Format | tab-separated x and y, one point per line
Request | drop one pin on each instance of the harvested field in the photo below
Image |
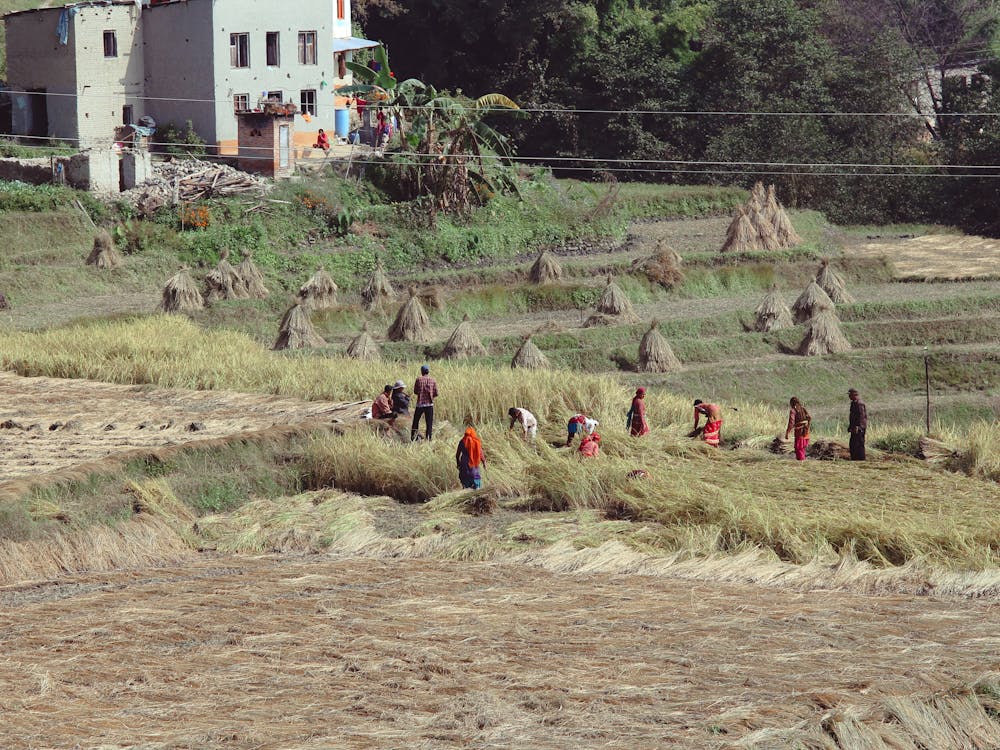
52	424
937	256
322	652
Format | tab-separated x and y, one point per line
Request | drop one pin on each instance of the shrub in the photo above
179	142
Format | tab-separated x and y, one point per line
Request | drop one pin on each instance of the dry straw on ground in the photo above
105	255
364	347
296	330
772	314
529	357
253	279
812	300
546	269
223	282
319	292
832	283
411	323
655	354
823	336
463	342
180	293
378	289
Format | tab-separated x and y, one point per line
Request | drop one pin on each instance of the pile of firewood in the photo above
189	180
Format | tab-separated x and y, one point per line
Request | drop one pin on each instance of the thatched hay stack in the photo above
432	297
546	269
772	314
319	292
823	336
181	294
223	282
772	208
655	354
742	236
364	347
411	323
832	283
104	255
296	330
766	234
253	279
378	289
810	302
529	357
759	193
615	302
784	229
463	342
663	267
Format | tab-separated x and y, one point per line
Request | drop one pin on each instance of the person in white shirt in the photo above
579	423
527	420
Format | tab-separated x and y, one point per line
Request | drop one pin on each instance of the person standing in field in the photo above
469	457
636	419
579	423
529	425
425	390
711	433
857	425
798	422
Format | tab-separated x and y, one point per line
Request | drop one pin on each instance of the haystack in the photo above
663	267
412	323
742	236
253	279
784	229
529	357
104	255
810	302
463	342
772	314
759	193
546	269
364	347
378	289
766	234
832	283
320	292
180	293
223	282
771	207
615	302
432	297
655	354
823	336
296	330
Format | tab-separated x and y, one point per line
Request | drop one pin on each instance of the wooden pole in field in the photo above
927	388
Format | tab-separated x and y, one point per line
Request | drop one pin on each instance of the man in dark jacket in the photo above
857	426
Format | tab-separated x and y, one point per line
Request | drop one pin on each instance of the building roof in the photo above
59	8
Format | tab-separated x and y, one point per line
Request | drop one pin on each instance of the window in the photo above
307	101
241	102
340	10
239	50
127	115
273	57
110	44
274	96
307	48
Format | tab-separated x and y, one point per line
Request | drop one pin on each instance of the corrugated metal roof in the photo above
352	43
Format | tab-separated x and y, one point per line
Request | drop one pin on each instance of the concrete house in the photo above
80	71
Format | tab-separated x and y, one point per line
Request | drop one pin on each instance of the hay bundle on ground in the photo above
615	302
296	330
832	283
781	446
810	302
432	297
180	293
364	347
411	323
828	450
663	267
772	314
319	292
546	269
104	255
253	279
655	354
463	342
223	282
742	236
935	452
823	336
529	357
378	289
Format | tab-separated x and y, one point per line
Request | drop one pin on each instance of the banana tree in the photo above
380	86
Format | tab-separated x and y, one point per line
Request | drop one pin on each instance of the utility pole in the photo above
927	388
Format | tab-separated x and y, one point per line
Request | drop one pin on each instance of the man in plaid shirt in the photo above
425	390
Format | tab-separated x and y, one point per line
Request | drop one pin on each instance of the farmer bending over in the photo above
711	433
527	420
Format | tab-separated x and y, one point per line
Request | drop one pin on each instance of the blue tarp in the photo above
62	28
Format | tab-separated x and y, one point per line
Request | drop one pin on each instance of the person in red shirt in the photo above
425	390
322	140
590	447
382	406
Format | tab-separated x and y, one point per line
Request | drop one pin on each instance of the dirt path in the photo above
48	424
357	653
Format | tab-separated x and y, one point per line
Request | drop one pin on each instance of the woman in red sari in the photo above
798	421
637	424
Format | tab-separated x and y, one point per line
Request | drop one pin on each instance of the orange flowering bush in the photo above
196	217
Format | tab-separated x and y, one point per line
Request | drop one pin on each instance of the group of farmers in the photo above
394	402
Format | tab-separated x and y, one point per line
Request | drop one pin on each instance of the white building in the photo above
80	71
